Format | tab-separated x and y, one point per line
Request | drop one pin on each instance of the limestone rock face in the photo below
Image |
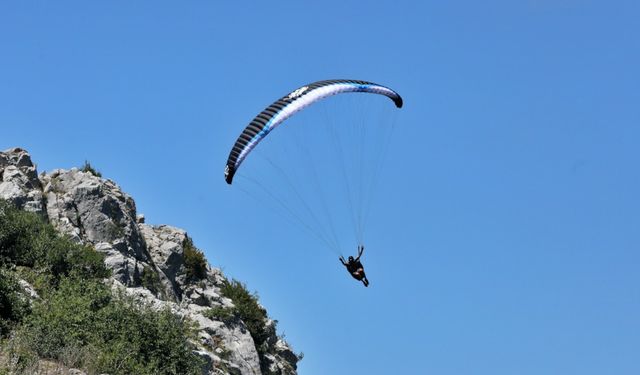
93	210
147	261
19	181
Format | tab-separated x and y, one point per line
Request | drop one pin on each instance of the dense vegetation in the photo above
76	319
13	307
29	244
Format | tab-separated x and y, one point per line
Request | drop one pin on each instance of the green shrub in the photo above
13	305
115	231
67	318
194	262
249	310
65	258
26	240
141	340
221	313
150	280
23	236
88	168
83	325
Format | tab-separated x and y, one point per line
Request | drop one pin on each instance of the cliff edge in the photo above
154	263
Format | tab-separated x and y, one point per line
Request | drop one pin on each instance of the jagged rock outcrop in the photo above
19	181
93	210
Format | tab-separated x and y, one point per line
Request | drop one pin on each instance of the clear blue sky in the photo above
508	241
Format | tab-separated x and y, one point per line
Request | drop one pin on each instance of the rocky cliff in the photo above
93	210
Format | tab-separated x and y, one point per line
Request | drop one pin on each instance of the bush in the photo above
88	168
67	318
194	261
83	325
13	305
26	240
23	236
65	258
221	313
150	280
249	310
141	340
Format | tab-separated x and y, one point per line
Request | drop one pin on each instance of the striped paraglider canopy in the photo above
285	107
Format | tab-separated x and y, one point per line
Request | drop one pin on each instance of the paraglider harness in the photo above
355	267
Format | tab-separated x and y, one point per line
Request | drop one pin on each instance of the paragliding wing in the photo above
288	105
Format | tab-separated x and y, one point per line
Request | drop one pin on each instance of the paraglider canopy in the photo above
285	107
